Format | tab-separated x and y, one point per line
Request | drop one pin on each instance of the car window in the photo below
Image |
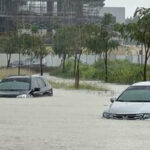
41	83
15	84
35	84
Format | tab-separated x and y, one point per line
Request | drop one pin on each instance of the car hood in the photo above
12	93
129	107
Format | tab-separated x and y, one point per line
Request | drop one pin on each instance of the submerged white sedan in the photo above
132	104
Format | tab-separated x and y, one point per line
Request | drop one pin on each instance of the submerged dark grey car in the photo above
25	87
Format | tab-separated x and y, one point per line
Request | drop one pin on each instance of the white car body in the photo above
129	108
125	109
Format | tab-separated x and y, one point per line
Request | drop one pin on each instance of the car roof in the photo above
23	76
144	83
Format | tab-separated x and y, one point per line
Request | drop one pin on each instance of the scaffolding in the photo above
44	13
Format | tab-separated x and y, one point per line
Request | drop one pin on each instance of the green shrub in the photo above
124	72
119	71
88	72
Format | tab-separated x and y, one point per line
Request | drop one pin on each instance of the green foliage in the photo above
26	44
75	40
119	71
102	39
33	45
94	40
67	74
88	72
9	43
63	40
108	33
34	29
69	39
41	51
140	33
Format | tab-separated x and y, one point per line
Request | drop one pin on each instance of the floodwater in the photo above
70	120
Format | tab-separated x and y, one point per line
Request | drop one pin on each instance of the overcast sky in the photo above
130	5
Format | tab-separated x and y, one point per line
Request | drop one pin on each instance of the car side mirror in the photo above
112	100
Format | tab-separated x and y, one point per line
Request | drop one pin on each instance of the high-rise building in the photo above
118	12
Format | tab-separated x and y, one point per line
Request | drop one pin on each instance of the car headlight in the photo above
107	115
22	96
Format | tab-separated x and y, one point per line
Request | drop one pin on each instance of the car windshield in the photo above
15	84
136	94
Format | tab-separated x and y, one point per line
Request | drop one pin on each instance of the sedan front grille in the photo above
127	116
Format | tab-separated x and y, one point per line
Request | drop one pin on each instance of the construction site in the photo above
46	13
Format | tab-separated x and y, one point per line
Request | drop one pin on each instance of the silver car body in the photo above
129	108
121	110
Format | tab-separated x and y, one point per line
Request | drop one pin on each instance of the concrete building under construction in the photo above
47	13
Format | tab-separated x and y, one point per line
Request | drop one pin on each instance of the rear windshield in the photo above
15	84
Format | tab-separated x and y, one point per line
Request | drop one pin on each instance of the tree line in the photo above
74	40
31	44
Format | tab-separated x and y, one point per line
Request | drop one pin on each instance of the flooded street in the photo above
70	120
82	44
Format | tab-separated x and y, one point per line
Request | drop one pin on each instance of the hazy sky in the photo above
130	5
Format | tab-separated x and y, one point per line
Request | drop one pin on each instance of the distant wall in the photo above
54	60
3	59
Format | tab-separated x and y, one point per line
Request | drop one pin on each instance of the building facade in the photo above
47	13
118	12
